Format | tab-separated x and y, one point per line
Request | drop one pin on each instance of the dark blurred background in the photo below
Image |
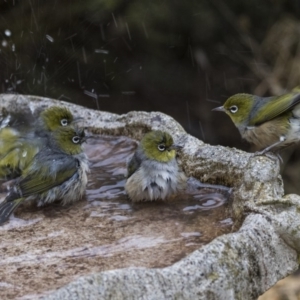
179	57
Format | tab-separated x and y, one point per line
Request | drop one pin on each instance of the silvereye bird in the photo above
19	145
153	172
57	172
53	117
48	119
270	123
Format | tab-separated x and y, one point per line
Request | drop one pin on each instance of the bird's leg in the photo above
267	149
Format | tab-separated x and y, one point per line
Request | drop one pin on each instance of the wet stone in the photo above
42	249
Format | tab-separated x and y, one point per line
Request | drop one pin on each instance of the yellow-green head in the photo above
239	108
159	146
69	139
55	117
19	146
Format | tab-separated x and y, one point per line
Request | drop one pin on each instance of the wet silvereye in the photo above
53	117
47	119
270	123
19	145
153	172
57	172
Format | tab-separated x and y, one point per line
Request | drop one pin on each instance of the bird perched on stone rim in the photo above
57	172
271	123
153	172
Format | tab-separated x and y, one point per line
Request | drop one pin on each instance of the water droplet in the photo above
49	38
102	51
7	32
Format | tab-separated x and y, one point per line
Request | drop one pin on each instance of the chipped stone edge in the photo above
240	265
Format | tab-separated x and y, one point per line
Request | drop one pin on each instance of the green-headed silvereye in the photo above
57	172
153	172
270	123
54	117
48	119
19	145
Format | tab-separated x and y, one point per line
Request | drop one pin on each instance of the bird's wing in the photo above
275	107
44	175
133	164
7	208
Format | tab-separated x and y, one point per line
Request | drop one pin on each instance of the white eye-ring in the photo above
64	122
233	109
75	139
161	147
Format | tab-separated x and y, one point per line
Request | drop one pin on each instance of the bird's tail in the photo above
7	208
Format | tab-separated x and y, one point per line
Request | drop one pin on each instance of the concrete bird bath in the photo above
239	265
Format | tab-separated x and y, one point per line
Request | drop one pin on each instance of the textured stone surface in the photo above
233	266
240	265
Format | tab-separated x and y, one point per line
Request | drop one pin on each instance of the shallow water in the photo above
45	248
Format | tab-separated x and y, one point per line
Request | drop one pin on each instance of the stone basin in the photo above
194	259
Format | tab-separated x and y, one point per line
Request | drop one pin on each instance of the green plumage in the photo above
41	180
18	147
153	173
156	145
272	107
270	123
49	172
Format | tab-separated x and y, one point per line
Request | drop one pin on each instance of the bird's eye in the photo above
75	139
161	147
64	122
233	109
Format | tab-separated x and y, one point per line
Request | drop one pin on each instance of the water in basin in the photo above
45	248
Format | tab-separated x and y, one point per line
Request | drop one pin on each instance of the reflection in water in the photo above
45	248
205	202
226	222
190	234
133	242
17	222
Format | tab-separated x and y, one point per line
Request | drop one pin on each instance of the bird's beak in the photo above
220	108
175	147
78	119
87	137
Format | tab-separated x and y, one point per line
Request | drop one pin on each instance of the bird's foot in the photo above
269	154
